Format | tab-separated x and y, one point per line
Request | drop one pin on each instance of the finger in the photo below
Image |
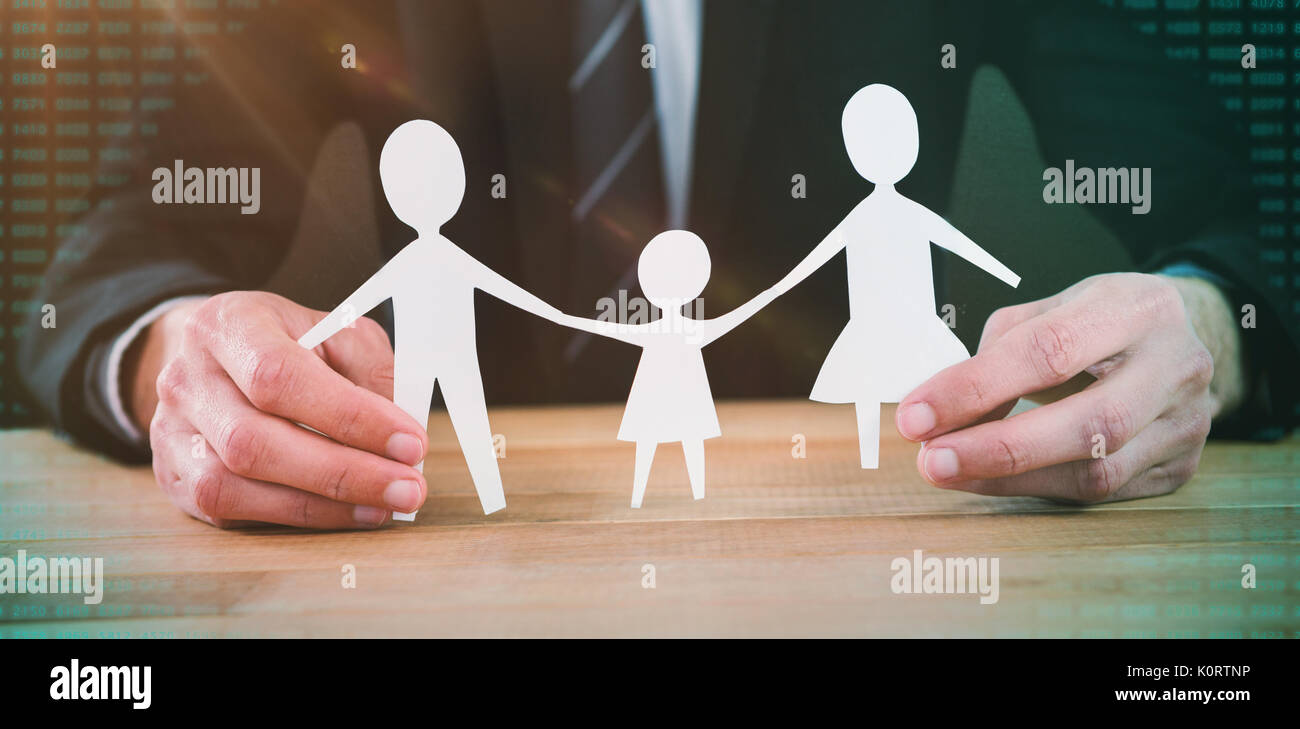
1036	354
1100	419
1158	460
1078	383
997	413
1085	481
168	433
1007	318
1089	482
363	354
279	377
1162	478
1181	438
224	498
263	447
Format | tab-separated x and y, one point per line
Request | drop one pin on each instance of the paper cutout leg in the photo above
868	433
463	393
645	455
694	450
413	378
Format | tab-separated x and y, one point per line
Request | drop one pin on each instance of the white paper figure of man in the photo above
894	340
432	283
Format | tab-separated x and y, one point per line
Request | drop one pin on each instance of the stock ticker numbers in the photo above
83	83
1249	54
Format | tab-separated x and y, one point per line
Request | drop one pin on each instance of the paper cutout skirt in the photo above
883	361
670	398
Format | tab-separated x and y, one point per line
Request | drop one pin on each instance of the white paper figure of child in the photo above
432	283
894	339
670	399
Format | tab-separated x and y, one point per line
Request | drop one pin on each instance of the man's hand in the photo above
220	385
1136	429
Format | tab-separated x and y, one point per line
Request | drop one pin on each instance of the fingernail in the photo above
403	496
915	420
941	464
369	515
405	448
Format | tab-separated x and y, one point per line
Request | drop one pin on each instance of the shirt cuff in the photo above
1186	269
113	368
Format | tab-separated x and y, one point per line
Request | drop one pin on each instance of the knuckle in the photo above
155	440
269	377
1160	300
976	394
1099	480
1198	425
159	430
205	322
1111	286
1053	349
198	325
303	510
212	497
1009	457
1168	477
223	305
1183	471
171	382
1200	367
349	417
1114	422
1202	424
162	475
241	446
336	482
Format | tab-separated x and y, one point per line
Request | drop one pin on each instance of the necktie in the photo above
617	177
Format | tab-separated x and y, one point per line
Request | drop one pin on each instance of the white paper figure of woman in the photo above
670	399
432	283
894	340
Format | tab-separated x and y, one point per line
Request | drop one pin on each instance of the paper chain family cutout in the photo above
891	302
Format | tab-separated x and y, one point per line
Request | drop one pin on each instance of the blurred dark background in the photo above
118	65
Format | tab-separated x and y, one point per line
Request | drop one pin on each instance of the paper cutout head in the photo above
673	269
880	133
423	175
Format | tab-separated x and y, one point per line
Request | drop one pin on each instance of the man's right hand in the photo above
220	384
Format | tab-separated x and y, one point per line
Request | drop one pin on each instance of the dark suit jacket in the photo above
774	79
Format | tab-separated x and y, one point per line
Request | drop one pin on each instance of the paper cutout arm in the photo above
370	294
815	259
508	291
715	328
943	234
630	333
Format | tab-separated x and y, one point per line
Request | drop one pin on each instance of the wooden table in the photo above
781	546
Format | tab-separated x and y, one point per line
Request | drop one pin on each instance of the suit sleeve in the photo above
264	105
1104	95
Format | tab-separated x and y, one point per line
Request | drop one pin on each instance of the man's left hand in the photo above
1126	349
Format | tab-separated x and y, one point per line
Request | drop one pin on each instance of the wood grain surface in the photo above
781	546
